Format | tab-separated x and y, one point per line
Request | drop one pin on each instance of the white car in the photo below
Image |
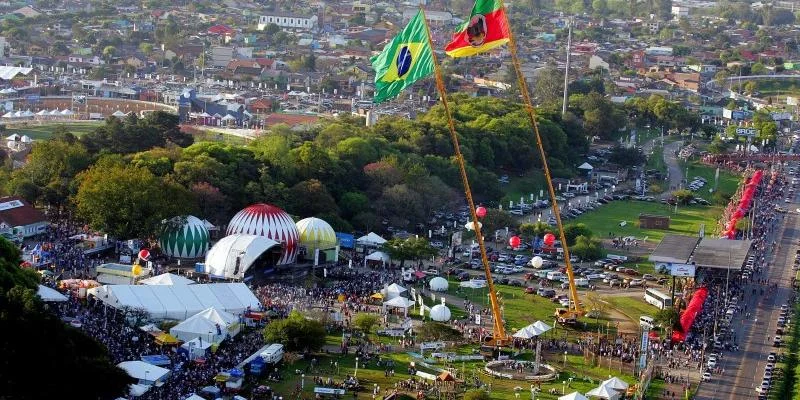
706	376
636	282
712	362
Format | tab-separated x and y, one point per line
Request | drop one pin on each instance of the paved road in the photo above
744	369
674	170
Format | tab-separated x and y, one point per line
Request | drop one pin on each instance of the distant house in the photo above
20	219
244	67
27	12
609	174
261	106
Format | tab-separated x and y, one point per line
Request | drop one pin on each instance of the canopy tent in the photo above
398	302
178	302
198	326
603	392
229	321
67	111
378	256
394	290
542	326
194	397
615	383
232	256
49	294
535	329
147	374
166	339
573	396
118	114
370	239
167	279
524	333
228	117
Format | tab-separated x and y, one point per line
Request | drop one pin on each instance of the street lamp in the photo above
565	359
302	381
355	374
533	392
563	387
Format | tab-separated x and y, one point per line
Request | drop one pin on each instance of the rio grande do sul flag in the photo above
405	60
486	29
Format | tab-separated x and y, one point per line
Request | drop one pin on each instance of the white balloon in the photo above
537	262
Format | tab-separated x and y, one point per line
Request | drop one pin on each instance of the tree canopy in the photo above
296	333
29	340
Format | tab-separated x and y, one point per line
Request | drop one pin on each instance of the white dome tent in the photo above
438	284
440	313
232	256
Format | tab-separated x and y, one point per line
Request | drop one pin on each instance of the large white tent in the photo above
573	396
167	279
178	302
394	290
198	326
49	294
603	392
147	374
615	383
196	347
398	302
378	256
227	320
221	260
370	239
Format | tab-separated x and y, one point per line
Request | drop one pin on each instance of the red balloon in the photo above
514	241
480	211
144	254
549	239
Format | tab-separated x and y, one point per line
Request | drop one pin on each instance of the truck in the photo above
273	354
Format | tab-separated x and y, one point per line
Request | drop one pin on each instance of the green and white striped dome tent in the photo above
185	237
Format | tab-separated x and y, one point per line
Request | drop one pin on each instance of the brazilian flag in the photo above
405	60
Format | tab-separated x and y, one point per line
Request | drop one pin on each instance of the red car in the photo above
530	290
631	271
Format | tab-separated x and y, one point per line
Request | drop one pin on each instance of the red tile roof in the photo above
20	216
220	30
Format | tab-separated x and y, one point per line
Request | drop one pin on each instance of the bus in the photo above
657	298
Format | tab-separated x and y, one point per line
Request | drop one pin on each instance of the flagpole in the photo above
526	97
499	334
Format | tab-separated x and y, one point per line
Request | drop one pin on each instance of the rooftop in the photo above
674	249
14	211
722	253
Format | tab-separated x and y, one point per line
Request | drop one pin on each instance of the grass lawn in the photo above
369	375
728	182
44	131
215	136
523	186
632	307
687	221
655	389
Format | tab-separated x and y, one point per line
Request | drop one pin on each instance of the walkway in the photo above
675	173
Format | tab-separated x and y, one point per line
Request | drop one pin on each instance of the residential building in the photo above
680	12
221	56
18	219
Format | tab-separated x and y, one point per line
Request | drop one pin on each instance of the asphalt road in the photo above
744	370
674	169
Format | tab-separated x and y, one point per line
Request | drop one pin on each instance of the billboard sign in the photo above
746	131
781	116
346	240
674	269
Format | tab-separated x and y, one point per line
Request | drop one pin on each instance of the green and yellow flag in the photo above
405	60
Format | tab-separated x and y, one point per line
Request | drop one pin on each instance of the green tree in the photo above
587	249
572	231
52	166
33	324
365	322
496	219
128	202
296	333
666	318
538	229
626	156
758	69
311	197
683	196
413	248
109	52
432	331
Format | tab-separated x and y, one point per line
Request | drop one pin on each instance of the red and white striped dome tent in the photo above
271	222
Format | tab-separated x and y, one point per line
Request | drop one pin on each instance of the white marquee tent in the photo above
167	279
603	392
398	302
378	256
198	326
370	239
221	260
178	302
615	383
573	396
196	347
147	374
394	290
49	294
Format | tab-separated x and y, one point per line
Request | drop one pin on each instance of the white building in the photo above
680	12
287	21
18	219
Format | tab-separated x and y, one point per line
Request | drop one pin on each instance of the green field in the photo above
656	160
632	307
686	221
44	131
728	182
523	186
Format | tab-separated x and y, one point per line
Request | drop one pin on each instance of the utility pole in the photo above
566	69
